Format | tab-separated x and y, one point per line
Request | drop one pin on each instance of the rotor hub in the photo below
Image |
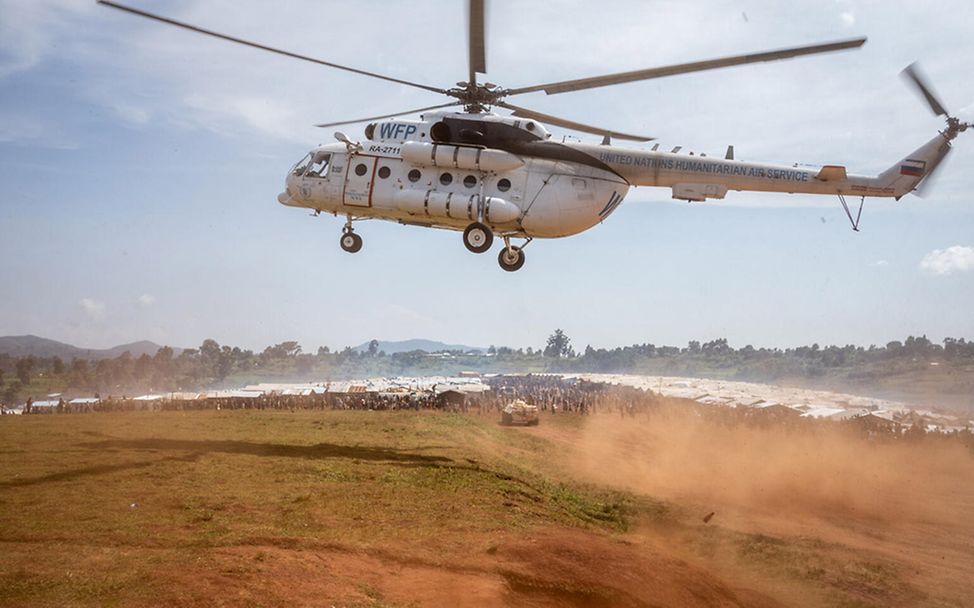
477	98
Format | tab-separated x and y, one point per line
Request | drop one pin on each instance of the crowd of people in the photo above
267	401
552	394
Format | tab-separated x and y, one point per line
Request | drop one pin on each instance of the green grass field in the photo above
277	508
95	503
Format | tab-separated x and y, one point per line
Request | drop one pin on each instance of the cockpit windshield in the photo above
319	167
301	165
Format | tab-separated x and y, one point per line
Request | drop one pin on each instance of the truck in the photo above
519	412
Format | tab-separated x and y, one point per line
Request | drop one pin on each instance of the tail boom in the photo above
715	176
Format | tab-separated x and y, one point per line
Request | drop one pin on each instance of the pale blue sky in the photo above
139	168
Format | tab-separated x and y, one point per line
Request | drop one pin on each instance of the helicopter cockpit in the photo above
299	167
312	165
319	165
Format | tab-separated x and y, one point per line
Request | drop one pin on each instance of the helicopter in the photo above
490	175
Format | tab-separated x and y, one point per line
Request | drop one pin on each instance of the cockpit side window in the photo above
319	167
301	165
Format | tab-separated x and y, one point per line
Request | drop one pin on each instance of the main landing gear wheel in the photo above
350	241
478	237
511	258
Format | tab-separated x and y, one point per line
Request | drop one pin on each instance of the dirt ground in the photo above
898	511
409	509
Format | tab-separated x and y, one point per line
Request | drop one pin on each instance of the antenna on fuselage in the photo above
351	145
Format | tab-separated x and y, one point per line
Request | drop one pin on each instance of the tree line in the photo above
213	365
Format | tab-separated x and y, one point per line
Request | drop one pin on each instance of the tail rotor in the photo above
954	125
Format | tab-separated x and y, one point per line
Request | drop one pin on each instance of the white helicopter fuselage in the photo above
556	190
418	182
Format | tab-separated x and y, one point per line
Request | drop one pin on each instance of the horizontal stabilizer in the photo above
832	173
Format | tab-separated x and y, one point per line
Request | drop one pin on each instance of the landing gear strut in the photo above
350	241
511	257
478	237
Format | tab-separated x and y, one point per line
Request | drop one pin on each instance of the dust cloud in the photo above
822	470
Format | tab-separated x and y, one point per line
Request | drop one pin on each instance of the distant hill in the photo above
405	346
23	346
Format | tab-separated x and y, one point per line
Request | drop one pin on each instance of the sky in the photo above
140	164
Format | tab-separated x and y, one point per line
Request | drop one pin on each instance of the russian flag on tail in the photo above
913	168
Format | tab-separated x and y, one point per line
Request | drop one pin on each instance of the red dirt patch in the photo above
545	568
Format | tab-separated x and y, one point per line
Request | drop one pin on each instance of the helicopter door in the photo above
358	181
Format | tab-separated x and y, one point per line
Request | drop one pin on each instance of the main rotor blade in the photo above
569	124
478	53
370	118
683	68
912	73
263	47
925	187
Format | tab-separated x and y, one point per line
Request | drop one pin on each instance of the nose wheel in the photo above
350	241
478	237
